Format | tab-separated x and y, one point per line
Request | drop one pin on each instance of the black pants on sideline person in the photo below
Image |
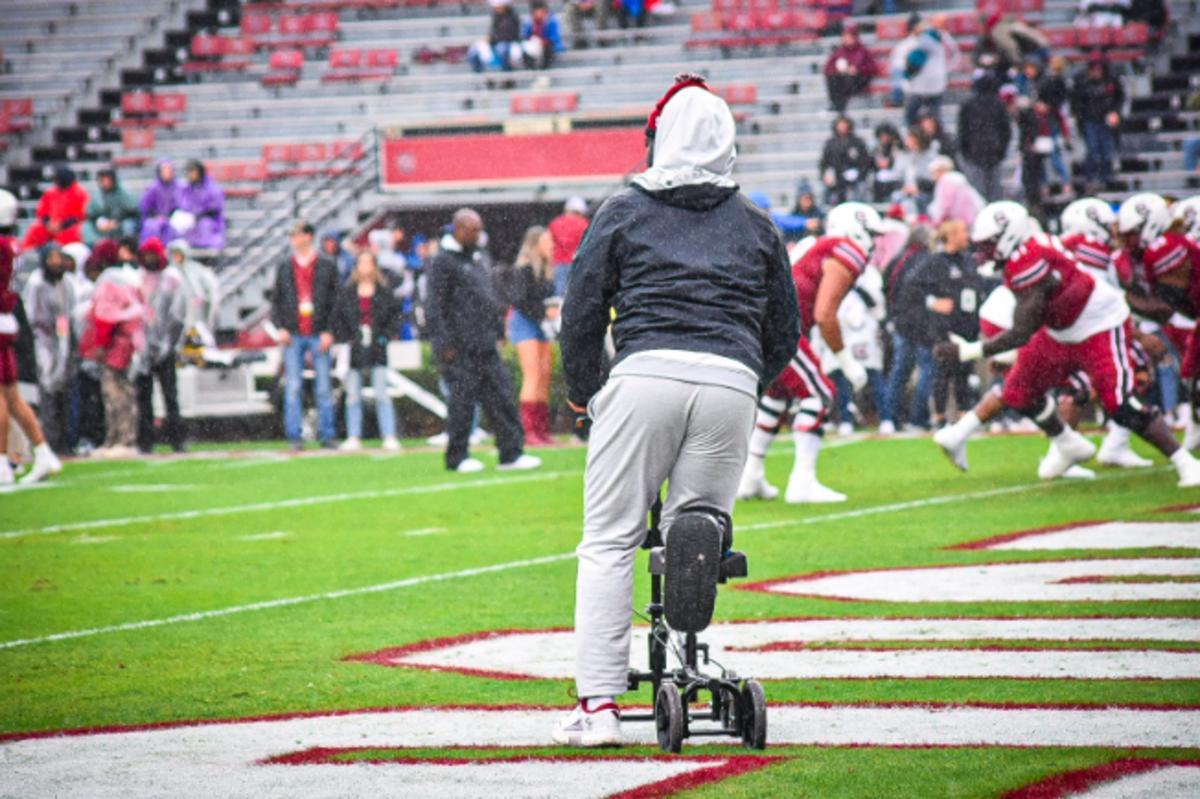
164	371
957	376
91	411
54	414
842	87
480	377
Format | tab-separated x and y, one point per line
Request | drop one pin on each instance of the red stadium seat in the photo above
706	23
739	93
345	59
254	24
295	160
143	109
1060	38
134	140
963	24
16	115
234	175
1092	37
1136	34
219	53
890	29
285	66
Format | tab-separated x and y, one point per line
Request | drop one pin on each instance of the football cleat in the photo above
1121	456
1078	472
953	446
754	483
809	491
1065	451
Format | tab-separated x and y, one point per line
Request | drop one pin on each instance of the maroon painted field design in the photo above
1072	783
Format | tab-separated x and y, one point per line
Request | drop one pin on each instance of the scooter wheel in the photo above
754	715
668	717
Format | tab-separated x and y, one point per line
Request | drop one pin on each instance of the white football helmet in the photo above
8	209
858	222
1089	217
1144	216
1000	229
1187	213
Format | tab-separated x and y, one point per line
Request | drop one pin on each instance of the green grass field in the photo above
109	545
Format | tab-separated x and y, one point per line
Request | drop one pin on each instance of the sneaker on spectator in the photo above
469	466
6	472
440	440
845	429
479	435
522	462
887	428
392	444
351	444
599	727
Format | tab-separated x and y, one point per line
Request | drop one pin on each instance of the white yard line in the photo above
298	502
271	536
286	601
930	501
423	531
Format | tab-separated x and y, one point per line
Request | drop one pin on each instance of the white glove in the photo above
8	324
852	370
967	350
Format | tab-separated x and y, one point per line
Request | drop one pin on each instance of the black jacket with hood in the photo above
686	262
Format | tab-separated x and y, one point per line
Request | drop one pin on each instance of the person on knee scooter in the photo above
705	316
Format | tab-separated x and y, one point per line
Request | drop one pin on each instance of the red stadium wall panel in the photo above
475	159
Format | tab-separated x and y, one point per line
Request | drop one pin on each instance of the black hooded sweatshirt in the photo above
697	268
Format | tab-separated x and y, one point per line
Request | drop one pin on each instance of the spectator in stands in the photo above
1191	155
112	213
60	212
91	431
886	178
502	48
984	133
1097	98
532	284
166	310
954	198
466	320
1034	124
575	12
331	248
567	229
845	163
950	290
1154	13
159	201
200	218
302	309
540	36
849	69
201	290
366	317
1102	13
923	63
49	298
1007	41
114	336
913	163
912	342
1050	90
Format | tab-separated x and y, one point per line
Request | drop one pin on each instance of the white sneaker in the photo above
1191	433
440	440
954	447
1121	456
754	485
351	444
6	472
996	428
809	491
522	463
118	452
45	463
392	444
1078	472
887	428
1189	476
469	466
601	727
1064	454
479	435
845	429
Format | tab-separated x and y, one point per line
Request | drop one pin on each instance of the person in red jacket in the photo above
60	213
849	69
11	403
567	229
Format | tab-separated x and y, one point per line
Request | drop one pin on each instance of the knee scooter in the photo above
735	706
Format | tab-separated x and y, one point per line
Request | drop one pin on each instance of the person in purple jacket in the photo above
202	203
849	69
159	201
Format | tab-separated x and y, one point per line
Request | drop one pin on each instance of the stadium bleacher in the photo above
268	96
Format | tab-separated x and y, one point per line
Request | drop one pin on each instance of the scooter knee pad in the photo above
695	543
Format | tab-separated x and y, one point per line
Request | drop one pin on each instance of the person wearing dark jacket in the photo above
887	176
365	317
984	133
845	163
950	289
112	212
532	284
302	310
911	342
1096	101
465	319
502	48
705	316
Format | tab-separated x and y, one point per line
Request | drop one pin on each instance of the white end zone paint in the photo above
778	650
1099	535
227	759
1164	783
1041	581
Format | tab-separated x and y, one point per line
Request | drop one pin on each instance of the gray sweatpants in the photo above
645	430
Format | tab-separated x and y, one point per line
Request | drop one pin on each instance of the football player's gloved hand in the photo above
852	370
967	350
583	422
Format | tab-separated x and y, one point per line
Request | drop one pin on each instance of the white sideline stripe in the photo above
298	502
286	601
97	539
929	501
